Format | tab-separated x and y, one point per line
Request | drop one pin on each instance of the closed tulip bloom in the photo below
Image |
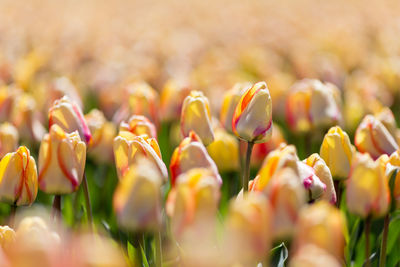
128	147
8	138
191	154
324	226
313	256
171	100
312	183
386	117
224	150
373	138
103	133
252	119
139	125
231	99
137	199
69	117
367	190
392	166
18	177
311	104
337	152
196	117
324	174
62	158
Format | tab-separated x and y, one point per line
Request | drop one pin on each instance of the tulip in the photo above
313	256
172	96
372	137
8	138
393	167
312	104
18	178
196	117
248	226
231	99
367	187
386	117
62	159
191	154
103	134
7	237
69	117
127	147
324	174
337	151
252	119
324	226
139	125
224	151
8	95
59	87
137	199
312	183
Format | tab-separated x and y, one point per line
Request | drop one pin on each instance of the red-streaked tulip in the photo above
171	100
8	138
62	159
337	152
252	119
224	150
372	137
103	134
312	104
139	125
137	199
196	117
313	256
231	99
367	190
18	177
127	147
312	183
191	154
69	117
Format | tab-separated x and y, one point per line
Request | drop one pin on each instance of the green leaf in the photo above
279	255
393	245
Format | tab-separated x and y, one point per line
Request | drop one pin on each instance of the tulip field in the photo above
199	133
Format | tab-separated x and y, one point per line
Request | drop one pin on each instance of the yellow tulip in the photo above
171	100
62	159
8	138
139	125
18	177
7	237
392	166
224	150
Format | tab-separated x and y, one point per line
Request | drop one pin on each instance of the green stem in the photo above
246	173
158	240
240	158
87	200
367	246
382	258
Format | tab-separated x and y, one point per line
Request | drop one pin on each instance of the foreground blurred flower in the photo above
337	152
196	117
367	191
231	99
18	178
313	256
311	104
8	138
372	137
224	151
190	154
137	199
252	119
7	237
139	125
248	228
103	134
172	96
59	87
62	159
8	95
127	147
324	226
192	203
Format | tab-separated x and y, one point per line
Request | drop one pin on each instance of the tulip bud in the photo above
231	99
191	154
137	199
248	229
7	237
252	119
337	152
18	178
312	103
127	147
324	226
367	187
69	117
224	151
103	134
172	96
196	117
372	137
324	174
313	256
8	138
62	158
139	125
